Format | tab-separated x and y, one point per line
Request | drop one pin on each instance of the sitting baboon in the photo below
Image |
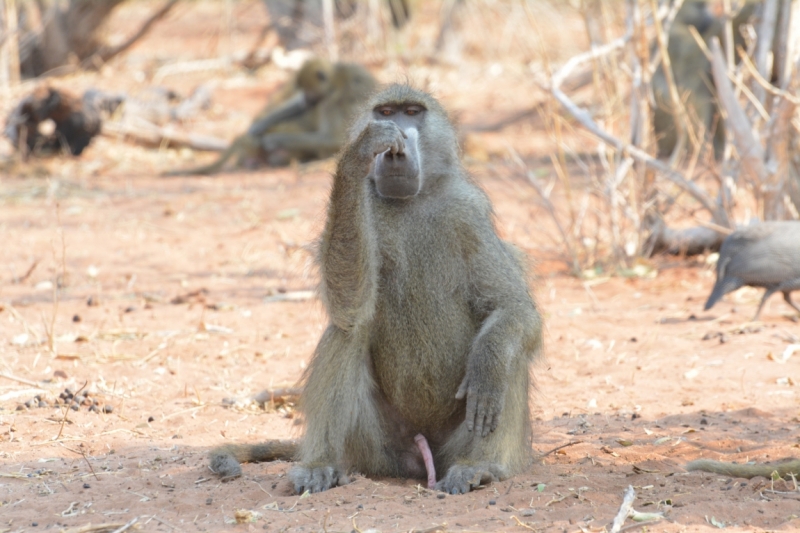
307	121
691	70
432	327
74	123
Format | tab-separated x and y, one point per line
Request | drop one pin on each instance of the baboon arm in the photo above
348	255
292	108
510	330
500	293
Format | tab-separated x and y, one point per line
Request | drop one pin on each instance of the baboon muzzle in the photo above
397	174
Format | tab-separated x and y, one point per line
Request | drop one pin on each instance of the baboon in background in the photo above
75	123
432	327
692	72
307	120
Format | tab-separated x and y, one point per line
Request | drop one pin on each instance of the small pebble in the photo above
130	309
92	302
208	501
359	507
74	407
108	409
703	422
76	318
150	419
94	409
20	407
34	524
29	404
86	486
441	495
492	502
42	404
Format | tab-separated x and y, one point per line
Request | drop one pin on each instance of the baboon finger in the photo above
471	407
480	416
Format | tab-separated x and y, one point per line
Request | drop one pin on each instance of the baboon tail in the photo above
226	460
206	170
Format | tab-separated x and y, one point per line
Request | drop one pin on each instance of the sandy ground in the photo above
172	299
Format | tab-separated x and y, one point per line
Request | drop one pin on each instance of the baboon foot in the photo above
460	479
316	478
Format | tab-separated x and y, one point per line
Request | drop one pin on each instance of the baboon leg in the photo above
318	142
470	459
345	428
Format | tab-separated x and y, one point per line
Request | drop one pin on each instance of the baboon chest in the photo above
424	327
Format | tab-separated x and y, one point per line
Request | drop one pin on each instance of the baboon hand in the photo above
380	136
485	400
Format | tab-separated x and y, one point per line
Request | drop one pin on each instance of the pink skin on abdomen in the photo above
427	456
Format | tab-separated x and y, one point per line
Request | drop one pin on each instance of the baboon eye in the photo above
413	110
386	111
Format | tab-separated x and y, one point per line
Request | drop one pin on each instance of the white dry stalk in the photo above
624	510
583	116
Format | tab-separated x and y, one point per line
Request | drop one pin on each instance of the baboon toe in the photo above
316	478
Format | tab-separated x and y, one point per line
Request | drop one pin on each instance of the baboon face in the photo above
397	175
314	80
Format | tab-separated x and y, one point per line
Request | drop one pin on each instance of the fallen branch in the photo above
149	134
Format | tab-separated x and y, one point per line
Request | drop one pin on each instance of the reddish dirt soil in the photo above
171	302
